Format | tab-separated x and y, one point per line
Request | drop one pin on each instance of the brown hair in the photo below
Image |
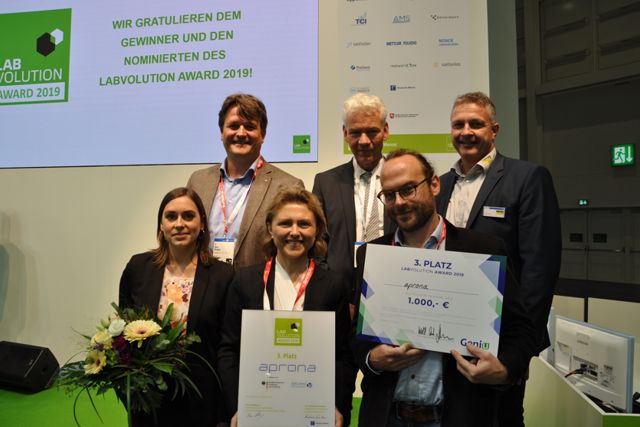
426	166
249	108
479	98
161	253
298	196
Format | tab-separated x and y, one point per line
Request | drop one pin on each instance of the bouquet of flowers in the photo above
136	355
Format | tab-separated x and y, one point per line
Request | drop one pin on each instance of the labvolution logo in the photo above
47	42
35	69
287	331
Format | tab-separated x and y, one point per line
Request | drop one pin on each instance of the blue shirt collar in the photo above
432	241
248	174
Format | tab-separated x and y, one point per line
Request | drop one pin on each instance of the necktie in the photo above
372	226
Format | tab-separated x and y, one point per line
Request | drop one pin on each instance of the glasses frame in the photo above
410	191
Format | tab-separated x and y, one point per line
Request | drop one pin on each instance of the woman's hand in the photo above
339	418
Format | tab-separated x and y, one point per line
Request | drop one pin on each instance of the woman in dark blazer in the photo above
296	223
181	271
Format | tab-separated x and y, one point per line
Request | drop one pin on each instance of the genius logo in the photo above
47	42
478	343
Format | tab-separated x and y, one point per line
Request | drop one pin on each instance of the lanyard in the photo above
443	236
303	285
228	219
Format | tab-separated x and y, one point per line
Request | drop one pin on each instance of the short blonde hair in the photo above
361	102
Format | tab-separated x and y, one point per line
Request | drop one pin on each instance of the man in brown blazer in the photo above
238	191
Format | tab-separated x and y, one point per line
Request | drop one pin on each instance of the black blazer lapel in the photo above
154	277
346	194
447	182
198	292
453	240
270	285
256	195
496	171
315	293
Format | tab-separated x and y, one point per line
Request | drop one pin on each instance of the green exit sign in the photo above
623	155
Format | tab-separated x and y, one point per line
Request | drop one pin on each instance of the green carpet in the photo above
54	408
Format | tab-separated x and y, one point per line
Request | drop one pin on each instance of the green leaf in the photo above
164	367
167	316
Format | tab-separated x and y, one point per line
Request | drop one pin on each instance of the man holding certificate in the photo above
428	382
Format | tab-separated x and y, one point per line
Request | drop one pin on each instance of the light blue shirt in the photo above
421	384
233	190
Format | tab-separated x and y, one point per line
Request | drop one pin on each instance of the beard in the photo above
412	216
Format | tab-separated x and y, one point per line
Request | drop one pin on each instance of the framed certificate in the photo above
287	369
435	300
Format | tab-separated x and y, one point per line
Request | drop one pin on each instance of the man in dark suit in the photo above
405	386
238	192
512	199
347	192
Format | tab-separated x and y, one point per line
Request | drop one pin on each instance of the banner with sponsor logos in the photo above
120	82
417	56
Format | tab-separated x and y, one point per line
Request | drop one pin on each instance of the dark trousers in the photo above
510	409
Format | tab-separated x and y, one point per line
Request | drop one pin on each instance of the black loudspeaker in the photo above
26	367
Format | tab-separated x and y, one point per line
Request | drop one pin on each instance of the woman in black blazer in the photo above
181	271
293	282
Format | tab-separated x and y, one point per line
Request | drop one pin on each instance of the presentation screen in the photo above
132	83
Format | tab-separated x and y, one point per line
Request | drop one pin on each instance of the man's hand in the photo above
484	368
389	358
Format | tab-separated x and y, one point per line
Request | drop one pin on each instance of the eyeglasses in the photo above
407	192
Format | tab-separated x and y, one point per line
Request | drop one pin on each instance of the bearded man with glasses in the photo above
409	387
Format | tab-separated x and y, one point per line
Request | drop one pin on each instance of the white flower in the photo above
116	327
101	340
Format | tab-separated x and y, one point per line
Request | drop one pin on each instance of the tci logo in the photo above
361	20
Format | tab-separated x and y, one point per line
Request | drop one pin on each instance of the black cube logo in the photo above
47	42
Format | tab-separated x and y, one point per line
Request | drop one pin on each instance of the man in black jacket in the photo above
405	386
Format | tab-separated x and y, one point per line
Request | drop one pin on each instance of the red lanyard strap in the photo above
305	280
223	198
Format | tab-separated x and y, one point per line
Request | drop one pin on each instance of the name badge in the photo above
223	248
356	245
493	212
